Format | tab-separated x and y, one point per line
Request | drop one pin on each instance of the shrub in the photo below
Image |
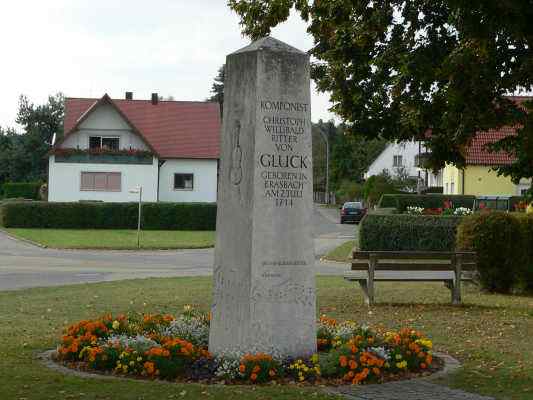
349	191
500	243
408	232
25	190
527	272
402	201
155	216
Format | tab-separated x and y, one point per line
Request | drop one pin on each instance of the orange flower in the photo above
343	361
352	364
242	368
253	377
423	366
256	369
272	373
149	367
429	359
376	371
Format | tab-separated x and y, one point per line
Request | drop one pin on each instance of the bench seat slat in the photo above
416	255
392	266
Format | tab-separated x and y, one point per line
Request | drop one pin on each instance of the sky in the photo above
87	48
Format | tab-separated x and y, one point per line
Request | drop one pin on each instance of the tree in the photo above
437	71
23	156
218	88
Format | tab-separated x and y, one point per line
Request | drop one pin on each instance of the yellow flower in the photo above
314	358
116	325
398	356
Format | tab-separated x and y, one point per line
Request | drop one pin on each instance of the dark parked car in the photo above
352	212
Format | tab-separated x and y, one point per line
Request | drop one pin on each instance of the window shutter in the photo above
114	181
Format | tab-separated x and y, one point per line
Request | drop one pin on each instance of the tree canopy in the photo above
438	70
23	155
217	89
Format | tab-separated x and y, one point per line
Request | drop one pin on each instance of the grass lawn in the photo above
490	334
342	253
116	238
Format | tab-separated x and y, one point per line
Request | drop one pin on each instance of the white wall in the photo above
64	181
205	180
105	121
408	150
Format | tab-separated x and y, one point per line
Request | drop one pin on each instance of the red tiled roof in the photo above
477	152
173	129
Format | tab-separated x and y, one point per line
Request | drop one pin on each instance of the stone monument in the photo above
264	280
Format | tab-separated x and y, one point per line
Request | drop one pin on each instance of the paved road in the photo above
23	265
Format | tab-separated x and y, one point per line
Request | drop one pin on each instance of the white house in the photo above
403	155
170	148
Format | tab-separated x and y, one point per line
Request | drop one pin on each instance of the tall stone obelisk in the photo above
264	283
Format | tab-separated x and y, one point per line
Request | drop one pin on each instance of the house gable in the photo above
104	120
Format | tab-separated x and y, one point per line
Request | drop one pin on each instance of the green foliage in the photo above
218	88
527	271
402	232
155	216
376	186
349	191
397	69
21	190
23	156
500	242
402	201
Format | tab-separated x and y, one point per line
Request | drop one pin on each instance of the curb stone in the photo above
412	389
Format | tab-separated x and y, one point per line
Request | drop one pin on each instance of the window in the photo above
101	181
446	192
183	181
104	142
397	161
452	188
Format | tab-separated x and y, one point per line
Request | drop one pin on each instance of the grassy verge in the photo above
342	253
116	239
490	334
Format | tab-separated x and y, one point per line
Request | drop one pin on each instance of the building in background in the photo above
405	157
170	148
478	177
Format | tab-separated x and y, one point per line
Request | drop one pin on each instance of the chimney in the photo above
129	95
155	99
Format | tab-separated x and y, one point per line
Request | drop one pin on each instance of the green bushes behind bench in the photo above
22	190
155	216
504	246
402	201
399	232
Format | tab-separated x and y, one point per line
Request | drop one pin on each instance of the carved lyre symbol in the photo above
236	157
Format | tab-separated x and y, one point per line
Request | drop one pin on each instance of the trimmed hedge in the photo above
502	242
24	190
402	201
408	232
155	216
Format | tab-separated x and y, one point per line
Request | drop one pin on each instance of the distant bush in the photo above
408	232
402	201
500	241
155	216
24	190
349	191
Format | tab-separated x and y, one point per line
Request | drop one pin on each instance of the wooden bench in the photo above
412	266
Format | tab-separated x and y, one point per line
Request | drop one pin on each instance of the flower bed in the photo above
175	348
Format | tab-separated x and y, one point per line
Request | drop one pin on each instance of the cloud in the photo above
85	49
